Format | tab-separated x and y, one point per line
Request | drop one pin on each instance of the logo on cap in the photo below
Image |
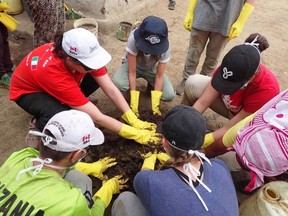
73	50
226	74
86	139
92	49
153	39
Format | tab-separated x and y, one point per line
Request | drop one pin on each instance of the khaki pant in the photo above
195	86
198	40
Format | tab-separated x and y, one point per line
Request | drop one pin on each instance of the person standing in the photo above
212	25
6	64
61	75
147	54
44	182
48	18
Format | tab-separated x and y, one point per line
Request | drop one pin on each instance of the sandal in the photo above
171	5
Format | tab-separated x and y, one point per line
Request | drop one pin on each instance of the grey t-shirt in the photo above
145	61
216	15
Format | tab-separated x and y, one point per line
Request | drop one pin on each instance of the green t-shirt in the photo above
46	193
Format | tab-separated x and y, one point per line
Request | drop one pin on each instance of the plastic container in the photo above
87	23
124	31
15	7
270	200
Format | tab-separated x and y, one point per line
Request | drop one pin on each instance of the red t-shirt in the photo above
42	71
263	87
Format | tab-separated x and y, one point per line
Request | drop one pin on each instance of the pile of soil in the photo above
127	153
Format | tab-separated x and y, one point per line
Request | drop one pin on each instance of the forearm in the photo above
132	71
159	77
208	96
118	99
99	118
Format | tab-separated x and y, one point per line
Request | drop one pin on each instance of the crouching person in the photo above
45	183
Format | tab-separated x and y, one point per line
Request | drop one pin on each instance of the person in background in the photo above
61	75
147	54
48	18
44	182
238	87
212	25
6	64
188	183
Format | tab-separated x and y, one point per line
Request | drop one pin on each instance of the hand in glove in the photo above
134	101
132	120
97	168
188	21
163	157
149	160
237	26
110	187
144	137
208	140
155	99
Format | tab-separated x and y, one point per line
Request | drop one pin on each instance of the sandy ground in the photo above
269	18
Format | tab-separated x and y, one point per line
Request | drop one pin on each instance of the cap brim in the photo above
145	47
223	86
98	137
99	60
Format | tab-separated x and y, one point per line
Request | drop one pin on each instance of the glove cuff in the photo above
82	167
149	163
130	117
208	140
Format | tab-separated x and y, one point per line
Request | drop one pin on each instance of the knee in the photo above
168	97
192	82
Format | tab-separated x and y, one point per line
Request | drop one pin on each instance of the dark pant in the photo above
6	63
43	106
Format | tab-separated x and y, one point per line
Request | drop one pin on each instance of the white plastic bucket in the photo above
269	200
87	23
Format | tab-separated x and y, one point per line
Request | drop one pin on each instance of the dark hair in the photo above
47	152
58	51
263	42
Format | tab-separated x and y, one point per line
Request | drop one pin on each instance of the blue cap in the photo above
152	36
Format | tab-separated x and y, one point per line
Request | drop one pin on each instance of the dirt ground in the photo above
269	18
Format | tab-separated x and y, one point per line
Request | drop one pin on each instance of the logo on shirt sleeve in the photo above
34	62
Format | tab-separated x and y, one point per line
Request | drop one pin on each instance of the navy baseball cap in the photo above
152	36
237	67
184	128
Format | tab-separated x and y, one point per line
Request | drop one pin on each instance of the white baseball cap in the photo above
83	45
72	129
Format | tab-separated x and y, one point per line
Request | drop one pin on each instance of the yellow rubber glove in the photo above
144	137
155	101
134	101
237	26
97	168
188	21
208	140
3	6
163	157
149	160
110	187
133	120
8	21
